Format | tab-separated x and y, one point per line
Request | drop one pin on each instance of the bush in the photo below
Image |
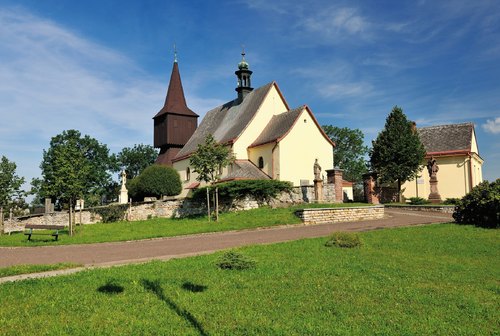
112	213
235	261
156	181
418	201
344	239
262	190
481	206
451	201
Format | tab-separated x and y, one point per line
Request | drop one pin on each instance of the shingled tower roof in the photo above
175	103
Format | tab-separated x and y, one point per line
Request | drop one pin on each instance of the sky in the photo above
103	67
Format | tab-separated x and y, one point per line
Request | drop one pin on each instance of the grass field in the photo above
166	227
428	280
24	269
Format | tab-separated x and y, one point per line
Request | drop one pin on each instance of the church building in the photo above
269	139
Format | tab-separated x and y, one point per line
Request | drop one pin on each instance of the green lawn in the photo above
24	269
165	227
428	280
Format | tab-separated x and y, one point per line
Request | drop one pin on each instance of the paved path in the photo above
105	254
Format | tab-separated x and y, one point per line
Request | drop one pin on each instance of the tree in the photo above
11	195
397	153
349	151
134	160
208	161
158	181
75	166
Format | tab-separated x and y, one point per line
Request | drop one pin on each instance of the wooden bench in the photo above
32	227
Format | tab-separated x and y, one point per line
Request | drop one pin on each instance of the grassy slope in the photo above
165	227
432	280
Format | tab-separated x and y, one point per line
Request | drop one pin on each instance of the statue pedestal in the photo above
318	190
123	198
434	196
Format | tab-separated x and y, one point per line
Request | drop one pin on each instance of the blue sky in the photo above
103	67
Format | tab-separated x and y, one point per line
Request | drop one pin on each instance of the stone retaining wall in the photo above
427	208
172	208
334	215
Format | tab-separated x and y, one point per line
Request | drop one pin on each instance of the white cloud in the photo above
334	23
52	79
343	90
492	126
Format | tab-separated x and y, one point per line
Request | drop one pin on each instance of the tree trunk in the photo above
216	204
70	219
208	204
1	220
400	197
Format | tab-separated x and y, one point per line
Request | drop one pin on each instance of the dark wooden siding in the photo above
180	128
171	129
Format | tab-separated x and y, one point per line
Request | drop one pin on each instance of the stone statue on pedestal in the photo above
318	182
317	171
123	198
433	168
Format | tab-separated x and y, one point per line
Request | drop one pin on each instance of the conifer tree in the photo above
397	153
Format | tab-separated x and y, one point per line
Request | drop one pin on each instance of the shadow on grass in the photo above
191	287
155	288
111	287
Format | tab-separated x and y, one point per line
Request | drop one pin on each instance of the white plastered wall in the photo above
273	104
300	147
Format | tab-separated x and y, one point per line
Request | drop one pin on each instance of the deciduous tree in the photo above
397	153
134	160
349	151
11	194
208	161
75	166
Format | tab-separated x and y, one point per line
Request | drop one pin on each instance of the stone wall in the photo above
55	218
427	208
334	215
173	208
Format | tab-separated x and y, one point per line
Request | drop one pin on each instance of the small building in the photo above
269	139
455	149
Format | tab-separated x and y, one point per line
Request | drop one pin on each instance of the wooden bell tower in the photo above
175	122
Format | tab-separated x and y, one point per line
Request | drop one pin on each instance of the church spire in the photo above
175	102
175	123
243	73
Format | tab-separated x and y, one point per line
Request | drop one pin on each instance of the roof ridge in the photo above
448	125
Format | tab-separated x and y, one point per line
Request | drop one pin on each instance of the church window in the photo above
261	162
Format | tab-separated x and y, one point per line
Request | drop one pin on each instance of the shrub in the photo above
481	206
235	261
344	239
418	201
450	201
112	213
262	190
157	181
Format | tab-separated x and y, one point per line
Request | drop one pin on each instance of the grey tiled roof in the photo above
444	138
278	126
244	169
226	122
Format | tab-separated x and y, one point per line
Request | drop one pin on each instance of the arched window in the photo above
188	174
261	162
